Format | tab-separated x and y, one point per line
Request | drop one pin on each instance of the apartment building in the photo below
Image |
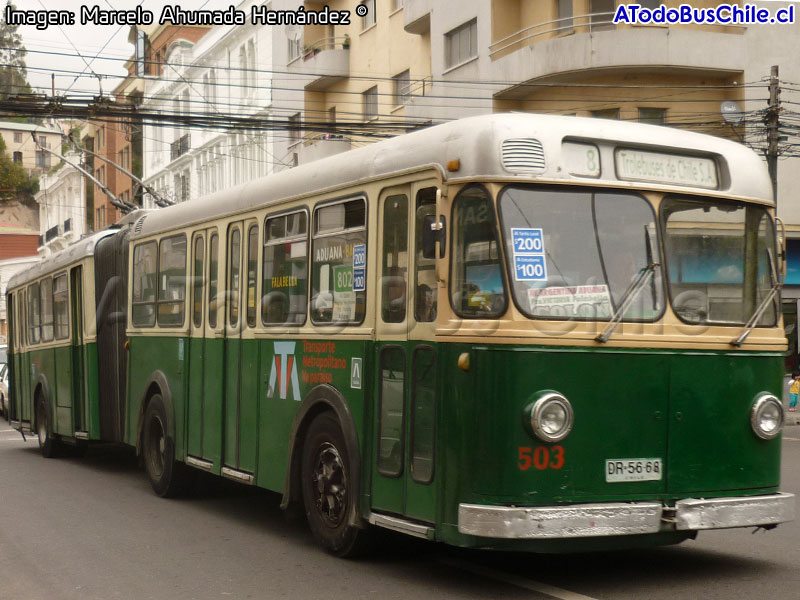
28	152
62	207
225	73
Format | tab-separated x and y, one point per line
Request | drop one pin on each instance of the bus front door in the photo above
403	474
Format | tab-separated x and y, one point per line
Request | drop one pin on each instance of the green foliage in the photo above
13	176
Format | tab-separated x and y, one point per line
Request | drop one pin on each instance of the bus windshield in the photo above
575	252
721	260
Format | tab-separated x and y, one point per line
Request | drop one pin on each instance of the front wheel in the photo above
168	478
327	489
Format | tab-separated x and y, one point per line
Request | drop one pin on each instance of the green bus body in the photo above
434	434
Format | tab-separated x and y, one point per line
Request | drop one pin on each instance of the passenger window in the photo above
478	287
234	266
394	280
213	250
252	274
60	307
46	304
338	282
285	278
144	285
197	293
172	281
34	330
425	286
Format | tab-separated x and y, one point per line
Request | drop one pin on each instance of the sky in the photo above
65	50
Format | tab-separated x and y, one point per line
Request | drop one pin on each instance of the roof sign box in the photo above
670	169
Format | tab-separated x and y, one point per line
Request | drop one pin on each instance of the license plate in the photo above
633	469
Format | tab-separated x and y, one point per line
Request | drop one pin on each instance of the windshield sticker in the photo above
585	301
344	298
529	262
359	268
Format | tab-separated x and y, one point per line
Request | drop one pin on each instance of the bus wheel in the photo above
327	490
167	477
49	446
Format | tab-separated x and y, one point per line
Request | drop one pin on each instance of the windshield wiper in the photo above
645	274
762	307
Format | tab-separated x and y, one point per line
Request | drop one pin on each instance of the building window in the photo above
18	157
402	85
294	47
17	137
42	160
100	218
653	116
141	39
606	113
369	19
371	103
461	44
397	4
295	130
602	13
564	15
42	141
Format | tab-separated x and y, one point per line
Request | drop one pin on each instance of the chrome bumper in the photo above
590	520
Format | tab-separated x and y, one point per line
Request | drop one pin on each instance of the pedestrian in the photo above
794	391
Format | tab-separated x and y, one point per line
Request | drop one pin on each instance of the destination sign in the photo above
670	169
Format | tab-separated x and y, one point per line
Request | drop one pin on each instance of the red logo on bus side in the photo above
541	457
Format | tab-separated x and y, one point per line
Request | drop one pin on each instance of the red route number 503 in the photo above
541	457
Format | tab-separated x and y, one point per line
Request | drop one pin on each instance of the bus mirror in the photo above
432	232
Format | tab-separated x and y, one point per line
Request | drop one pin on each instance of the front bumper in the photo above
619	518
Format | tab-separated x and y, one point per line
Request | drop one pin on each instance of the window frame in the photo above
315	236
452	35
66	323
370	98
284	240
169	301
134	302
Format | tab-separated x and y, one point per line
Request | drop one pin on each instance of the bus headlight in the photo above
766	416
550	417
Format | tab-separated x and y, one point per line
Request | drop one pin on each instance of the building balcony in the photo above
321	145
417	16
593	43
179	147
324	62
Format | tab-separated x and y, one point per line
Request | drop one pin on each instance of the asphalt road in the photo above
91	528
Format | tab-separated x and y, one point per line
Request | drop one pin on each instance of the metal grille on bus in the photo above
139	224
523	155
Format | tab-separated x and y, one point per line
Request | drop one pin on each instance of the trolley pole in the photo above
771	120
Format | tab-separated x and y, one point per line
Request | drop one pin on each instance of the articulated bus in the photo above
512	331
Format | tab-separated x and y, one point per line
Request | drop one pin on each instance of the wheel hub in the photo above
329	483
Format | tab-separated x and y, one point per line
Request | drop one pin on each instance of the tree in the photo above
13	177
13	70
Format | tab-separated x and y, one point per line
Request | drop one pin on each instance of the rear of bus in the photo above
614	354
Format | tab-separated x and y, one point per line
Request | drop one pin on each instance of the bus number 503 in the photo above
541	457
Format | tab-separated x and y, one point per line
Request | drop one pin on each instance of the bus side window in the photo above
144	285
46	307
33	314
234	266
395	259
172	281
252	273
213	250
60	306
197	292
285	270
425	286
340	233
477	283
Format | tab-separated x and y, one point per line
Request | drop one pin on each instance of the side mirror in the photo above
433	232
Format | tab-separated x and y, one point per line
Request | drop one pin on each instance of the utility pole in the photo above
771	120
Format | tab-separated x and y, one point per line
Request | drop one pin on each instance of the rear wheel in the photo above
168	478
49	445
327	488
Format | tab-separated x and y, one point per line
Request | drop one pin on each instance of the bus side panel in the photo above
196	396
149	354
212	405
92	391
248	410
316	362
62	382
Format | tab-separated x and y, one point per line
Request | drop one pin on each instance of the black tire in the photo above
49	445
168	477
327	490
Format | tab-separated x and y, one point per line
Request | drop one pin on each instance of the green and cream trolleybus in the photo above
511	331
